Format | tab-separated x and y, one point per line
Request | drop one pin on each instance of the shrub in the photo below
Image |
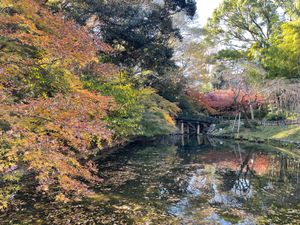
276	116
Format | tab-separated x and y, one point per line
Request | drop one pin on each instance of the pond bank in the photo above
120	146
283	136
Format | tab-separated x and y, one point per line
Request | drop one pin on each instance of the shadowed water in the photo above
184	181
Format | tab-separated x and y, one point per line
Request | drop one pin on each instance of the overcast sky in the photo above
205	9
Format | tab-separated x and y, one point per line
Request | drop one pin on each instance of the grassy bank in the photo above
290	134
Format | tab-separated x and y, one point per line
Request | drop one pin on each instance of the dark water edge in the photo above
179	180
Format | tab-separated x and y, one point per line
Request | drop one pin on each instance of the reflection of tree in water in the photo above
245	171
242	185
265	183
236	168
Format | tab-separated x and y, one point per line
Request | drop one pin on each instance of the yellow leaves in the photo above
39	161
52	165
7	161
9	174
70	185
61	198
74	162
8	156
169	119
291	36
74	81
5	194
6	4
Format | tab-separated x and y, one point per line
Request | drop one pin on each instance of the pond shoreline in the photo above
146	140
270	141
106	151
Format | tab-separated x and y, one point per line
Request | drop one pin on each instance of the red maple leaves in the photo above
225	101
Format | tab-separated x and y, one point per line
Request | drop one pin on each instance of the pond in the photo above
188	180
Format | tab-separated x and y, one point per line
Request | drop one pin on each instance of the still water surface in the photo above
188	181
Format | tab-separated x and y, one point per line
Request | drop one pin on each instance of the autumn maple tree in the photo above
62	99
48	121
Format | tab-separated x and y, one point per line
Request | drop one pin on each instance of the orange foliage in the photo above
225	101
36	40
35	26
76	118
199	98
52	137
56	137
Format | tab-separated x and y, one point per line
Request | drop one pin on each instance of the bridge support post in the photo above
198	129
188	129
182	128
199	140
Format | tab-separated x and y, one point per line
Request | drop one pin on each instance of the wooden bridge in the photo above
195	124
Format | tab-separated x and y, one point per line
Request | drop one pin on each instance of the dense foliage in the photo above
282	58
65	93
264	31
254	47
140	32
49	122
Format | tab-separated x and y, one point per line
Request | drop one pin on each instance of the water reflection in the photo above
186	181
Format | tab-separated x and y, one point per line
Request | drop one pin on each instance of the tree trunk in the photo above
239	124
252	113
234	123
248	122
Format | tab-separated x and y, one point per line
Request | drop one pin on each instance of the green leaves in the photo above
229	54
125	119
282	58
244	23
136	109
265	32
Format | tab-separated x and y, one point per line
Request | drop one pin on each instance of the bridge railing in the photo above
199	119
